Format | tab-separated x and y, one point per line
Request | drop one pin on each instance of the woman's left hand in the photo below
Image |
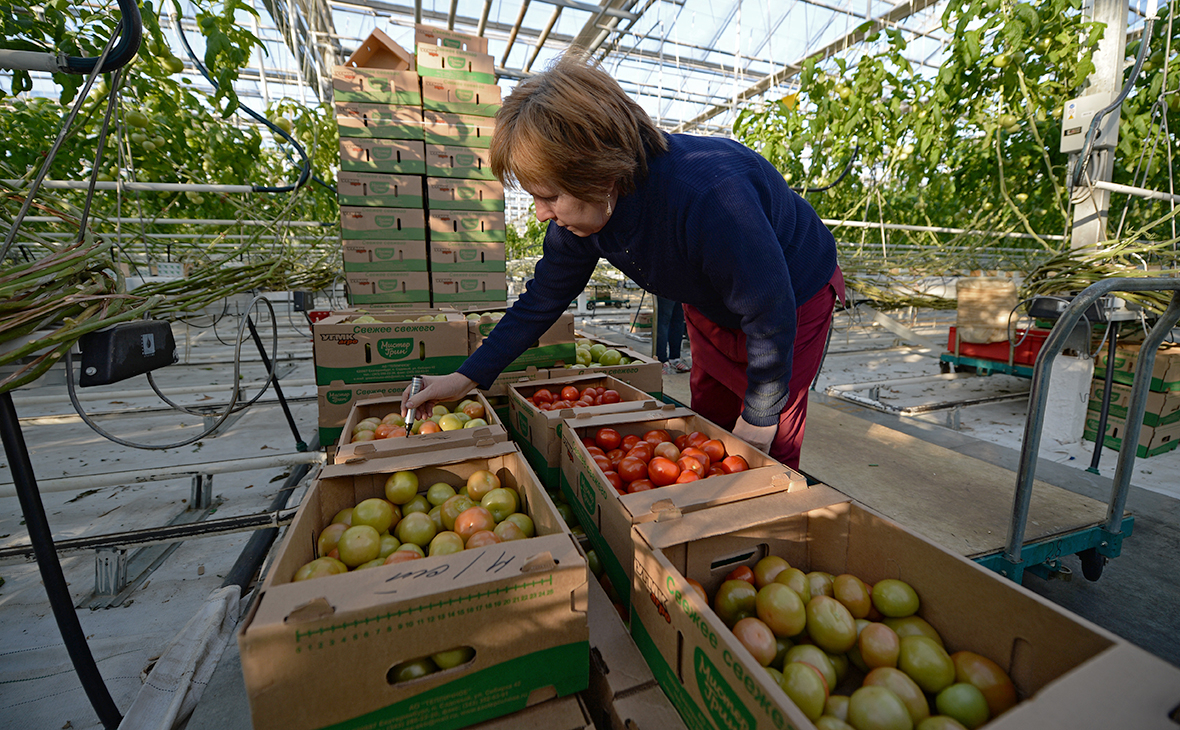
760	437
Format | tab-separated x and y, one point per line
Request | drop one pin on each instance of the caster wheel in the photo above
1092	563
944	367
628	305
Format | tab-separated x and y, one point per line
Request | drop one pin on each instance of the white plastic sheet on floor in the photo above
174	685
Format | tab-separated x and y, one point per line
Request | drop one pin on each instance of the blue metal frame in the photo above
1042	557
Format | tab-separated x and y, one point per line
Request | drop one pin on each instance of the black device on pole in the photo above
47	562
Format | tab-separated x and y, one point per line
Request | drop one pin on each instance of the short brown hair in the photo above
573	126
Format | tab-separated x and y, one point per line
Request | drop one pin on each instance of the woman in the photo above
704	221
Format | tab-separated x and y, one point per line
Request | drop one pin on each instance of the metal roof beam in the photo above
896	13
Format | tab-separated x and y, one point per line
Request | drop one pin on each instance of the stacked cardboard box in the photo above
1160	429
422	217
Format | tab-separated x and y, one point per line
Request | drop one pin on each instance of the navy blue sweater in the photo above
713	225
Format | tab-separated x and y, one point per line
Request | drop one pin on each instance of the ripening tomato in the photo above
681	441
742	572
595	451
602	462
715	470
630	440
695	585
662	471
733	464
696	438
690	465
642	451
699	455
686	477
570	393
668	450
608	439
543	395
640	485
715	449
611	396
656	436
613	477
384	431
632	468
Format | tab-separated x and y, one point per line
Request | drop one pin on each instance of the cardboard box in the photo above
466	225
563	713
382	155
467	256
431	36
388	287
1153	440
379	189
366	223
440	61
457	96
1165	373
623	693
362	256
376	86
608	516
388	351
644	371
1068	666
537	432
468	163
383	121
461	130
350	452
472	286
554	348
520	605
447	193
381	51
336	401
1162	408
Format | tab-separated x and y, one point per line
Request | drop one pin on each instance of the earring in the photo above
608	209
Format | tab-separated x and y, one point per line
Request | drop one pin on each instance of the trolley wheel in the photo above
628	305
1092	563
944	367
618	305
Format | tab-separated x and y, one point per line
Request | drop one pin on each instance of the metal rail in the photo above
1039	394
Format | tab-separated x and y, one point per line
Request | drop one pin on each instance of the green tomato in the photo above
172	64
136	118
610	358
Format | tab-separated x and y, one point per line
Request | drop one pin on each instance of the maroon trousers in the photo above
718	380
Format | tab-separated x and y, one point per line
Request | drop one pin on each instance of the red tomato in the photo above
696	438
640	485
587	441
582	404
689	464
699	455
587	399
715	449
615	456
613	477
602	462
608	438
543	395
643	451
587	391
630	440
681	441
559	404
656	435
662	472
715	470
611	396
595	450
545	406
742	572
632	468
599	390
695	585
686	477
597	400
569	392
733	464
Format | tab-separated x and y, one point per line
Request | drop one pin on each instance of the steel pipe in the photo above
45	400
164	473
189	222
1137	192
132	186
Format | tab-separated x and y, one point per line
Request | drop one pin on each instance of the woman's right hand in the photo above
436	389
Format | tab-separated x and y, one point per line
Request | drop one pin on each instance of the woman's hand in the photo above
760	437
435	389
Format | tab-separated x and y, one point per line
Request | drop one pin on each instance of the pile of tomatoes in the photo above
570	397
633	464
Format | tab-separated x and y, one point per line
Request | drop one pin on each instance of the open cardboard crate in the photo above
335	403
537	432
553	349
316	654
1070	673
356	452
644	371
388	350
607	516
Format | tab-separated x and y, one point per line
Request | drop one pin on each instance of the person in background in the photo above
700	220
670	335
